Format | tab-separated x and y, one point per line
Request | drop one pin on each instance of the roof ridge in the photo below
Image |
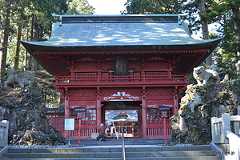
128	18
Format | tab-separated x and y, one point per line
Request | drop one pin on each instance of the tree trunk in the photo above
30	59
19	36
236	26
33	65
5	39
204	23
26	52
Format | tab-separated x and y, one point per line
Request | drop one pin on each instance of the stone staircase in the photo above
133	152
171	153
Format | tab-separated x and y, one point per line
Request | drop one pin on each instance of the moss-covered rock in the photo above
24	108
192	123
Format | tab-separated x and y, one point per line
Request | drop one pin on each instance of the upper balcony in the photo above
148	78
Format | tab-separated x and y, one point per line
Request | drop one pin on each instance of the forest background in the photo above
31	20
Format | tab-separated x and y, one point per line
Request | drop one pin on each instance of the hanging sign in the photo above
69	124
121	96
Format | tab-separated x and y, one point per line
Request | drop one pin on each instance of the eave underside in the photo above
56	60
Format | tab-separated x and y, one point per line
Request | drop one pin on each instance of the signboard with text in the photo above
69	124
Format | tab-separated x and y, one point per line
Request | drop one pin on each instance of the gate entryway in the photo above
119	116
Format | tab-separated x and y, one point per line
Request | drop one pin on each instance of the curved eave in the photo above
45	46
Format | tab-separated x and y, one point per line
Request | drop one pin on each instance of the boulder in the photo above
208	98
202	75
23	105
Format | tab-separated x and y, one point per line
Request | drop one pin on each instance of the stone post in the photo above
4	132
215	136
238	110
225	126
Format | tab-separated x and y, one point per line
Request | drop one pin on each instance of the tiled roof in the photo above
126	30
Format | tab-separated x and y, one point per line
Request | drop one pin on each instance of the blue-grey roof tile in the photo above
105	32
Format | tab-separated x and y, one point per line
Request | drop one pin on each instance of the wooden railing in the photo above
84	132
101	77
83	129
159	129
226	130
4	133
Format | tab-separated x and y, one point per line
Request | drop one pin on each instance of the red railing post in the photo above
143	76
165	136
110	75
98	76
169	74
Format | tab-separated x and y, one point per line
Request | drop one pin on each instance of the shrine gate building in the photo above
126	70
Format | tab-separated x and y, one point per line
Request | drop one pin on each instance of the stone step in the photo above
175	158
131	148
61	150
137	158
169	148
64	155
135	141
61	158
170	154
137	152
112	154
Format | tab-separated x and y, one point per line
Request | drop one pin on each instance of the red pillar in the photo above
144	115
66	104
99	108
165	136
66	109
175	99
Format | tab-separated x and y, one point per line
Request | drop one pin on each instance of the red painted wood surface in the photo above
152	81
84	129
57	122
108	78
159	130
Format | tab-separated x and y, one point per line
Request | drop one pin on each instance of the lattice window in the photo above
86	114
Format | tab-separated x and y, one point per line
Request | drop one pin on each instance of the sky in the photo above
106	7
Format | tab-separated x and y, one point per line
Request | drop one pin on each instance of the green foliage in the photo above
224	12
36	16
152	6
79	7
35	19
